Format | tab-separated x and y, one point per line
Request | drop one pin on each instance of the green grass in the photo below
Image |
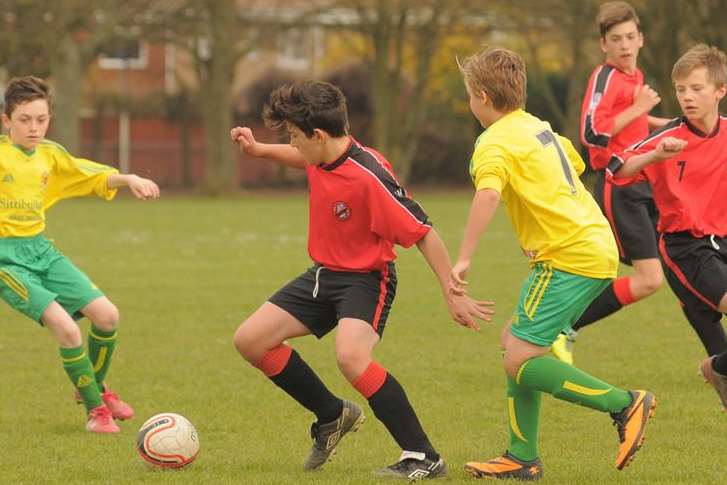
184	272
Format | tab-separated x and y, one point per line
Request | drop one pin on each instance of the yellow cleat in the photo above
562	348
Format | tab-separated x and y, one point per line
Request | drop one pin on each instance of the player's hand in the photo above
645	98
668	147
143	188
466	311
242	135
457	283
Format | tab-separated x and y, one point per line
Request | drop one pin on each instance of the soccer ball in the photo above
168	440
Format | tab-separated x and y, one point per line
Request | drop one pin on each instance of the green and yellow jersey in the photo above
536	173
31	182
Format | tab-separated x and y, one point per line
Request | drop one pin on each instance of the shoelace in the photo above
102	415
110	395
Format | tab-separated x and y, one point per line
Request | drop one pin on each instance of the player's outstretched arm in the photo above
141	188
484	206
275	152
463	309
666	148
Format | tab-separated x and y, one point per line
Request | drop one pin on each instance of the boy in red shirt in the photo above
686	164
358	211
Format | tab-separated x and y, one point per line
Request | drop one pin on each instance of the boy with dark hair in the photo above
615	114
35	278
572	254
686	164
358	211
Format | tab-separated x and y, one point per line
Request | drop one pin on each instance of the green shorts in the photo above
33	273
552	301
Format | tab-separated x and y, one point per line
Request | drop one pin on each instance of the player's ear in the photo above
721	91
6	120
319	135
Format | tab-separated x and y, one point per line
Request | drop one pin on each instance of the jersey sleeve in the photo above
490	168
598	106
575	158
395	216
77	177
619	159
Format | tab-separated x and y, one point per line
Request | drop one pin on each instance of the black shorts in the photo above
320	297
696	268
633	215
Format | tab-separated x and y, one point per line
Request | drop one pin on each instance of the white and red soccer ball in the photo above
168	440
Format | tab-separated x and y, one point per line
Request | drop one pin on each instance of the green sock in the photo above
570	384
79	369
101	344
523	409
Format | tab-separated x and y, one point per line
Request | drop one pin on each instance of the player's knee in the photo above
245	344
68	335
651	282
511	365
107	318
352	361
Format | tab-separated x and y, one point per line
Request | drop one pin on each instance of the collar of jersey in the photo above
699	132
344	156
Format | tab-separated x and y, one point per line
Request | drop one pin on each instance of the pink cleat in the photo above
101	421
119	409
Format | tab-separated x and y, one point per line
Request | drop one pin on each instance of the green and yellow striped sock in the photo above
79	370
523	410
101	344
565	382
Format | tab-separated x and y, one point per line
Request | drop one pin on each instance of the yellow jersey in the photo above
32	181
555	218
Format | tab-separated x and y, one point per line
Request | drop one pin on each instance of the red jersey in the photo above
690	189
358	211
610	92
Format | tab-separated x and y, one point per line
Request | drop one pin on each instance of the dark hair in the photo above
309	105
614	13
22	90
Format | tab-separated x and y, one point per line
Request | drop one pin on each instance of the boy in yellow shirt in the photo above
572	253
35	278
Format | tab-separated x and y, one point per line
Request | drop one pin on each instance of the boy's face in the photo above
698	96
621	45
28	123
478	106
310	148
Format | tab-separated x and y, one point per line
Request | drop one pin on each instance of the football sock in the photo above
719	363
79	370
568	383
289	372
523	409
391	406
101	344
616	296
706	323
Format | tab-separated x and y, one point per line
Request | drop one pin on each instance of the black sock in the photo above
719	363
706	323
303	385
605	304
391	407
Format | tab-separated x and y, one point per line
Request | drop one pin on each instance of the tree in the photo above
402	38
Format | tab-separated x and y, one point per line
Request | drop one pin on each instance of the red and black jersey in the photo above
358	211
610	92
690	189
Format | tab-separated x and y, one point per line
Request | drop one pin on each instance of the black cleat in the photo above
326	436
414	466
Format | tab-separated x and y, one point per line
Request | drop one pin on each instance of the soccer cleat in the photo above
562	348
100	420
717	380
506	467
119	409
326	436
414	466
631	423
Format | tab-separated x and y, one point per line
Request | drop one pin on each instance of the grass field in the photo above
184	272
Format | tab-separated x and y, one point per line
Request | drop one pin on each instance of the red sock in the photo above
622	290
370	380
275	360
